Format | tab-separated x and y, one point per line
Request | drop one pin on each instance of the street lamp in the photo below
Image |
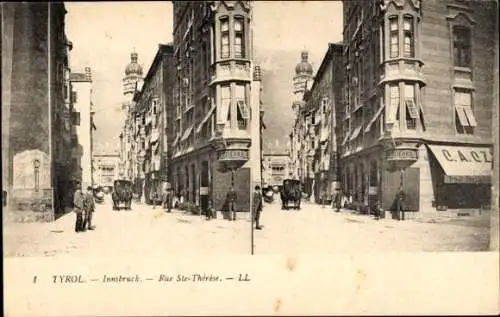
36	165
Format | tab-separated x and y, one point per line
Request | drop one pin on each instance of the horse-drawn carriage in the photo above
122	193
291	191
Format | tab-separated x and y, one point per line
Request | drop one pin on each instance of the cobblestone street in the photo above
144	231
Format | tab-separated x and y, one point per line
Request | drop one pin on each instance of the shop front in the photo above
462	176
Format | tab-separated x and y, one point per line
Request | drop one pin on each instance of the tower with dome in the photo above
299	161
133	74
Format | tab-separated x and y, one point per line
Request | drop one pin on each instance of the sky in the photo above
105	33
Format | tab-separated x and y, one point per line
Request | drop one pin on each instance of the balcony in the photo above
230	70
402	69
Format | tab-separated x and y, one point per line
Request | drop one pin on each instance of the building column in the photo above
8	11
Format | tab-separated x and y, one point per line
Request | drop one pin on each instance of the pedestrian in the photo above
167	201
257	206
400	201
231	199
377	210
210	210
89	208
78	199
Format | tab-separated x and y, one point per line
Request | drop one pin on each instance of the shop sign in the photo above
233	155
467	155
372	190
402	155
203	190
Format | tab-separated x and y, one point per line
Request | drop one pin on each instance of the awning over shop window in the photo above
187	133
355	134
464	164
205	119
154	136
345	139
375	117
176	140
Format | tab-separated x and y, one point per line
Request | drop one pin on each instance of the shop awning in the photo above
355	134
345	139
187	133
463	164
174	143
375	117
154	136
205	119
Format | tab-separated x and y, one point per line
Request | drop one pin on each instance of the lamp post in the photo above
36	165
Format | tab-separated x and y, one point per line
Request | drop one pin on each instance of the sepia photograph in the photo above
225	129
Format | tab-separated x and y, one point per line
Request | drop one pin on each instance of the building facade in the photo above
106	168
321	101
148	154
83	119
36	113
276	168
301	137
133	76
217	103
418	103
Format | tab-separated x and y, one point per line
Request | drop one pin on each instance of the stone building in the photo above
36	113
217	103
302	135
418	102
106	168
321	102
133	75
150	134
276	168
83	120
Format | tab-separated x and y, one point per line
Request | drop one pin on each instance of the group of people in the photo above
346	201
169	202
84	207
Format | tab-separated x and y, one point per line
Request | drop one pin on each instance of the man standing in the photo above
89	206
78	207
257	206
167	201
231	199
400	200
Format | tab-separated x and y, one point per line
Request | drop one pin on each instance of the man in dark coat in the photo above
400	200
78	208
257	206
167	202
89	206
230	200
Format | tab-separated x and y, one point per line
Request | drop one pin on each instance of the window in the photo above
239	38
75	118
461	46
408	37
73	97
394	37
224	38
393	114
411	108
154	107
224	113
464	118
242	109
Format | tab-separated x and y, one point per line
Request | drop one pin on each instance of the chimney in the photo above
88	73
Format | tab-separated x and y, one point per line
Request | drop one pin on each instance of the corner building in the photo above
217	103
418	103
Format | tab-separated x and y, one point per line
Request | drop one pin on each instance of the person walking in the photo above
400	201
210	210
78	208
89	208
168	199
231	199
257	206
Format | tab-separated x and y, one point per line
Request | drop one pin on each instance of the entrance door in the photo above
411	185
204	182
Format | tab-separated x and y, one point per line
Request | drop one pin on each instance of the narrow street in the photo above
147	231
